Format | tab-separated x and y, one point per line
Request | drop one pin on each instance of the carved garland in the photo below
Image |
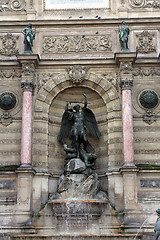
144	3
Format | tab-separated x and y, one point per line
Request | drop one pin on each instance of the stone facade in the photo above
77	50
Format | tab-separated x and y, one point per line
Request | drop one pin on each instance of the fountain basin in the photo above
89	208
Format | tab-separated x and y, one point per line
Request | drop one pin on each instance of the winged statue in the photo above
76	122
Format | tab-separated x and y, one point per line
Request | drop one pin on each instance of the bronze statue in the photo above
79	122
29	36
157	225
123	36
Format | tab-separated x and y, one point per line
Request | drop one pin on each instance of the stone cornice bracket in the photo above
28	62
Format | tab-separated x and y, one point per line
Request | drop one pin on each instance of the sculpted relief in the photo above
61	44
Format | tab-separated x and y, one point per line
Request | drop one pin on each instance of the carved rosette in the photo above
144	3
126	83
77	74
126	67
9	45
145	42
12	5
62	44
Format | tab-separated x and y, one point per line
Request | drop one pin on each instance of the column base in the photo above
129	165
25	166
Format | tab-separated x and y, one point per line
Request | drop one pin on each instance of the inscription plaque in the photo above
7	184
150	183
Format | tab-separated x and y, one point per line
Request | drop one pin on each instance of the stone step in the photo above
77	237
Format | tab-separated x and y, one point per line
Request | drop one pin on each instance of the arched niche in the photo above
56	154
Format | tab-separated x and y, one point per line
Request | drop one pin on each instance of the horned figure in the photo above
157	225
76	122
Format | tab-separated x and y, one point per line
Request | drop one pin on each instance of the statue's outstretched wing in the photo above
90	122
66	125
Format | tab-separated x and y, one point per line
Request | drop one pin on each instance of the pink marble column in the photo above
26	134
127	118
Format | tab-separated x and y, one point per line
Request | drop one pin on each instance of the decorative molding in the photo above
13	74
67	44
9	45
77	74
144	3
146	71
147	151
126	83
6	119
149	117
126	67
145	42
12	5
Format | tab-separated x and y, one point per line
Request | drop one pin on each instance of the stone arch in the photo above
46	95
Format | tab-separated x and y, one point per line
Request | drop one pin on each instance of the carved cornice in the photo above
126	83
77	43
12	5
145	42
144	3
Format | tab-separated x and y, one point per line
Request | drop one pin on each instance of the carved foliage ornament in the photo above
12	5
9	45
61	44
28	68
145	42
126	67
77	74
146	71
144	3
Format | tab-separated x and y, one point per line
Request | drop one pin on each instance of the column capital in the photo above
27	86
126	83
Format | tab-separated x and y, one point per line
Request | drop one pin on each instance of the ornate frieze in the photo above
10	74
146	71
77	74
67	44
145	42
9	45
12	5
144	3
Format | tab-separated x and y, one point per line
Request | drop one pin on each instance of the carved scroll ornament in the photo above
144	3
12	5
61	44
